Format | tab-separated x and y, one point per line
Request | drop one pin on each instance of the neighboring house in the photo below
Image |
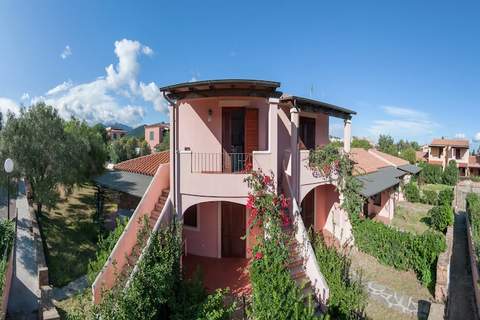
115	133
220	129
382	177
154	134
442	151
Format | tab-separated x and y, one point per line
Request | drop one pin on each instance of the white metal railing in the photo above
312	269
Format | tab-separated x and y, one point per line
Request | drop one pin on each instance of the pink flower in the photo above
284	202
258	256
250	201
267	180
285	220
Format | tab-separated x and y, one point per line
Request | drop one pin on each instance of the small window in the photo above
458	153
152	135
377	199
190	217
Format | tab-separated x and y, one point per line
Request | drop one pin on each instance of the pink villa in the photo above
220	127
154	133
115	133
442	151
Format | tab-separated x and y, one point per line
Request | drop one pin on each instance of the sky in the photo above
410	69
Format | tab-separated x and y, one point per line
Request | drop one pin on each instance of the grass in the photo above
412	217
71	235
76	307
403	282
435	187
377	311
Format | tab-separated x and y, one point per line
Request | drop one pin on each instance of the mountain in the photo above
118	125
138	132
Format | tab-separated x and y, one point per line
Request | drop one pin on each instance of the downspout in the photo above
175	148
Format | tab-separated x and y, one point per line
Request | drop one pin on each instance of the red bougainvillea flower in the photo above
267	180
250	201
258	256
284	202
285	220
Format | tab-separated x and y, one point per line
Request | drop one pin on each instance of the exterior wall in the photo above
321	127
325	198
207	136
157	136
386	210
464	155
205	240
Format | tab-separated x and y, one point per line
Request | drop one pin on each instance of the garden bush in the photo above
430	197
105	247
431	174
441	217
451	175
7	235
347	296
473	209
412	193
445	197
401	250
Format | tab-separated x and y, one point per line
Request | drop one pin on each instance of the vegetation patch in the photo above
473	209
412	217
7	235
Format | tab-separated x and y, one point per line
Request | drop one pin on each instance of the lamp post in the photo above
8	166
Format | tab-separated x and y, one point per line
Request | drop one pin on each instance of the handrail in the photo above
212	162
312	271
166	208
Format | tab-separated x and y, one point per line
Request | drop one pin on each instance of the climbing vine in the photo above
275	295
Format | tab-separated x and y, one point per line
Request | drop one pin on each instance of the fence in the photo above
220	162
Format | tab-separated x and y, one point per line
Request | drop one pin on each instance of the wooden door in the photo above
307	133
308	209
251	134
233	138
233	229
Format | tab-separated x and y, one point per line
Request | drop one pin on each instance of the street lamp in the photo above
8	166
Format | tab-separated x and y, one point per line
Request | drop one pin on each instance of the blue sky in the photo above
409	68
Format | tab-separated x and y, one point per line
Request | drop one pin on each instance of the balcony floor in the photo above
220	273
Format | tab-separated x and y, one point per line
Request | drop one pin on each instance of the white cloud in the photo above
404	123
60	88
8	105
116	96
25	96
477	137
460	135
67	51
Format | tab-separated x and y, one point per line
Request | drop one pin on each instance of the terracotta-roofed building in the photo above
155	133
146	165
115	133
474	165
421	156
366	162
442	151
394	161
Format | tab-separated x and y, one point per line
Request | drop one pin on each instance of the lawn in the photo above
412	217
403	282
71	235
435	187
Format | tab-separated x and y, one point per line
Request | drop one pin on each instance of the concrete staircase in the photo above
296	266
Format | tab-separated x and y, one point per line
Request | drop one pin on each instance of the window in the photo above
190	217
377	199
458	154
152	135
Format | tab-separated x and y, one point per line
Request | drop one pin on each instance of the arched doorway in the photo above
317	204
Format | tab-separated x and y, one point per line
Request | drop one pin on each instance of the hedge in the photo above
401	250
429	197
473	209
441	217
412	193
7	235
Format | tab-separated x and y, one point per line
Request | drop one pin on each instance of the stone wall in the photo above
474	266
443	269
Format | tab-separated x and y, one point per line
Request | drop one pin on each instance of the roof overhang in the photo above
410	168
379	181
223	87
310	105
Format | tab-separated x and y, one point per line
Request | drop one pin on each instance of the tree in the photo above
386	144
38	144
361	143
127	148
409	154
451	174
100	128
165	144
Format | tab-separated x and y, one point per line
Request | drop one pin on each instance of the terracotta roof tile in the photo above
147	165
421	155
392	159
451	143
474	161
365	162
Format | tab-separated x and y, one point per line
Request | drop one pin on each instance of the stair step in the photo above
296	263
298	275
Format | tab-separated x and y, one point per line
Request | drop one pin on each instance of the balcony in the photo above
310	178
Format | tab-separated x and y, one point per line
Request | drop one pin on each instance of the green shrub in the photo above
412	193
7	235
347	296
431	173
430	197
105	247
451	174
473	209
445	197
441	217
401	250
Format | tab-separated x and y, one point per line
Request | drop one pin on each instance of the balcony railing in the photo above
221	162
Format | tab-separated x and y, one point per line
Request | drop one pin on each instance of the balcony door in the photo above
239	137
307	133
233	229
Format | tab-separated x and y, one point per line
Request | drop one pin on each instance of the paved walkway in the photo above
24	293
461	299
70	289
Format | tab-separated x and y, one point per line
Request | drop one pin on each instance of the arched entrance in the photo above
317	204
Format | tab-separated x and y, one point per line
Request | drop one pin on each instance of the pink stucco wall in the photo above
386	210
157	135
118	258
206	239
325	198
